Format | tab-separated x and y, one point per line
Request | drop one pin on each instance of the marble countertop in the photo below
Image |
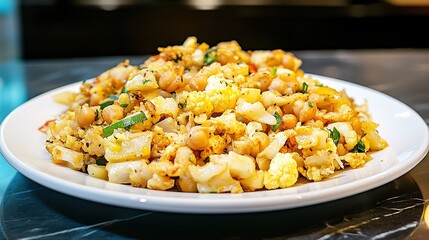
396	210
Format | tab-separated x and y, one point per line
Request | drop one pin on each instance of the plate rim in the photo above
210	205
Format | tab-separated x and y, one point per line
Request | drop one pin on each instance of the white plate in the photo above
23	147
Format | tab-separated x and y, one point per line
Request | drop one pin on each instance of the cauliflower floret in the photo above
254	182
344	113
184	158
318	173
217	145
228	123
134	172
198	103
220	183
321	164
376	142
315	138
223	94
241	166
283	172
356	159
255	112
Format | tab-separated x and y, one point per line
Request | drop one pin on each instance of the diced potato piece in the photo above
97	171
133	146
144	80
166	106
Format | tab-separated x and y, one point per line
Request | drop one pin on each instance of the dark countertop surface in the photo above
396	210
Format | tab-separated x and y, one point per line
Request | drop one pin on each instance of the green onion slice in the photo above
106	103
273	71
124	123
304	87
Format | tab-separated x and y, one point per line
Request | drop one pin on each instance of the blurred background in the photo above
42	29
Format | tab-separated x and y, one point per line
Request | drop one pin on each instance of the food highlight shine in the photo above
196	118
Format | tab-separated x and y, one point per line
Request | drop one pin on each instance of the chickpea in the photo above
112	113
170	82
304	111
85	116
272	109
95	99
289	121
198	138
198	82
278	85
289	61
292	84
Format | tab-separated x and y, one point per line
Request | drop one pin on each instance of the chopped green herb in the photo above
124	123
319	85
273	71
182	105
310	104
278	121
206	160
335	135
304	88
106	103
123	89
144	81
359	148
174	95
101	161
210	56
97	114
124	105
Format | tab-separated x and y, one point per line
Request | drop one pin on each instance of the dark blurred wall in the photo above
79	28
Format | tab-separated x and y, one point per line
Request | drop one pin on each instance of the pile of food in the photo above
196	118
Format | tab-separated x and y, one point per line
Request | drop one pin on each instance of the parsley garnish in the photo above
210	56
335	135
101	161
144	81
273	71
182	105
278	121
124	105
310	104
359	148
